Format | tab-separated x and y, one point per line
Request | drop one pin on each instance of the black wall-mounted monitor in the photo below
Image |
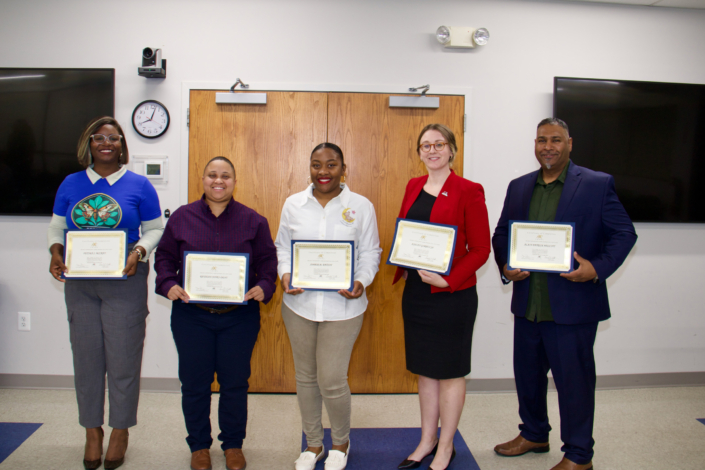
42	115
650	136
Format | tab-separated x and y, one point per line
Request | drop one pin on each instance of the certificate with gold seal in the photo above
423	245
95	254
541	246
216	278
322	264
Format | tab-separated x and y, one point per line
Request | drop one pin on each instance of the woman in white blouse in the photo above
323	326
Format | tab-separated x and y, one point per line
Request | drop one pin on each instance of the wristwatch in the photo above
139	254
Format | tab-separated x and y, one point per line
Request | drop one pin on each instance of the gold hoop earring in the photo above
308	181
342	179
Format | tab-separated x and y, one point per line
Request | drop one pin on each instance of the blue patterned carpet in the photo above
12	435
385	448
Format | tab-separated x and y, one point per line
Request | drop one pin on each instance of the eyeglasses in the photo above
439	146
100	138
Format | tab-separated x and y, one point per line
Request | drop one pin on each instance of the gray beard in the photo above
548	166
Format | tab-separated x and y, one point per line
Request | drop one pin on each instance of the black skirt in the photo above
437	327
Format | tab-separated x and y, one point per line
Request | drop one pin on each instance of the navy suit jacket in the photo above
604	235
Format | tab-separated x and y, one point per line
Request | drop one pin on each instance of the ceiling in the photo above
655	3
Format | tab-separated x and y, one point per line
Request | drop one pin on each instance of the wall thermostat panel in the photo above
153	167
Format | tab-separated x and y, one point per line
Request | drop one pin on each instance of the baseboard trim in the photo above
28	381
604	382
65	382
160	384
172	385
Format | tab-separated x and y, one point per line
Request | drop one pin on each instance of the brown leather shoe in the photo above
235	459
201	460
94	439
567	464
520	446
115	455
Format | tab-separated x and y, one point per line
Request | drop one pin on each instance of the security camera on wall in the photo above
153	66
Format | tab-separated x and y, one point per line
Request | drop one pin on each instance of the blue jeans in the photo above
210	343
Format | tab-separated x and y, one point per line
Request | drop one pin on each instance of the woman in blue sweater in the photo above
106	317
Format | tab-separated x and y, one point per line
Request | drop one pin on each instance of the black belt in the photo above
218	310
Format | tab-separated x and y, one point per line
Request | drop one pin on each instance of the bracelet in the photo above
139	254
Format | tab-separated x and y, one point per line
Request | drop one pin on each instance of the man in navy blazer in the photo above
556	315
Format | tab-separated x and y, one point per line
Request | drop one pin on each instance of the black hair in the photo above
221	159
554	122
333	147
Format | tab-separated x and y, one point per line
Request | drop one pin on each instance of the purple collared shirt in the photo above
238	229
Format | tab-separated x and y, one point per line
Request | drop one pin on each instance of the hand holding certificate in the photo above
322	264
95	254
216	277
423	245
541	246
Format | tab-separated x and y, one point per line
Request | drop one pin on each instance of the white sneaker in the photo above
337	460
307	460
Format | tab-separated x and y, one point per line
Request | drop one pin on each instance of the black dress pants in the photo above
208	343
566	350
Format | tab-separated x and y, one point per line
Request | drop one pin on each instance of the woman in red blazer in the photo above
439	311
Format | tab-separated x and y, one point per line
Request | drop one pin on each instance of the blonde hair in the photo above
447	135
84	142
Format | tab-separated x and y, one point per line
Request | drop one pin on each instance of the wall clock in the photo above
150	119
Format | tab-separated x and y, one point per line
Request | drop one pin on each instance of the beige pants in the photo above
322	355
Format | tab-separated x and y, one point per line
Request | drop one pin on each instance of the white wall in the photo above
657	296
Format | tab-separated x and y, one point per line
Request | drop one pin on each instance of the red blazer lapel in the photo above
412	194
445	209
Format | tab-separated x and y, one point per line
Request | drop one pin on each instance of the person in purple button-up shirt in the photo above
216	338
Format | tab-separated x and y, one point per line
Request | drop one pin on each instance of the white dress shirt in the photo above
348	216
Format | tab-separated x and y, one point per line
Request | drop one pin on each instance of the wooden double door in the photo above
270	146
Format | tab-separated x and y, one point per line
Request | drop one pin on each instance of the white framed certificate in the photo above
95	254
423	245
541	246
216	278
322	264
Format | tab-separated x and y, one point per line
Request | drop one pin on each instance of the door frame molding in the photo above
187	86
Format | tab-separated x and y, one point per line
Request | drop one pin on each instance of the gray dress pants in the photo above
107	328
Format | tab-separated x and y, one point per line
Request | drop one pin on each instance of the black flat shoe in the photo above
414	463
452	456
